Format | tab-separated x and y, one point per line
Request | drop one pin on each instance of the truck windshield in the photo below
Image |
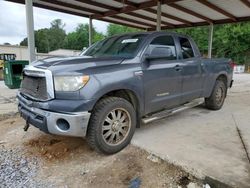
119	46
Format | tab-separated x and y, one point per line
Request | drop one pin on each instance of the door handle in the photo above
178	68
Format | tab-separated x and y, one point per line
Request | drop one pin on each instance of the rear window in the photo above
186	48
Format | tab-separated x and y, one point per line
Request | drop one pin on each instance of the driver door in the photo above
161	74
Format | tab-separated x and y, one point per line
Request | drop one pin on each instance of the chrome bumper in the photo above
68	124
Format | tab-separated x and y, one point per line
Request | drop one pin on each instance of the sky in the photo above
13	21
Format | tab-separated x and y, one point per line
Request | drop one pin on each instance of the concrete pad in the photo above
7	99
6	92
8	108
206	142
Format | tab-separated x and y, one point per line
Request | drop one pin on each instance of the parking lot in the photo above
207	144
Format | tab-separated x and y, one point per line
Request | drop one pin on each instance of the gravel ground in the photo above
16	170
34	159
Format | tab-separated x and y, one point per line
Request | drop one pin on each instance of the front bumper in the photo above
59	123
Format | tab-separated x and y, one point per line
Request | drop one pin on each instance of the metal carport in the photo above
144	14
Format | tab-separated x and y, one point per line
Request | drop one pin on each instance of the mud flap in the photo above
231	83
27	125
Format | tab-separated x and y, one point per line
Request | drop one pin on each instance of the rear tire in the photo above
216	99
112	125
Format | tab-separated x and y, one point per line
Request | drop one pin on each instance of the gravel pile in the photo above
16	170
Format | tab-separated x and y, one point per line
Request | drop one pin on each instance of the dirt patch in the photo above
8	116
5	100
69	162
48	148
132	164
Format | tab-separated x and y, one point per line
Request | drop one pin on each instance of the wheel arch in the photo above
128	95
223	77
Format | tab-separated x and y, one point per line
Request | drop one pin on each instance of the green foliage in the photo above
230	40
200	36
24	42
114	29
49	39
42	40
55	37
80	37
233	41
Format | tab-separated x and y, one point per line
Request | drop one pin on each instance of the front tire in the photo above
112	125
217	98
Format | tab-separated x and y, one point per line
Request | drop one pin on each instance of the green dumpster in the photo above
5	57
13	73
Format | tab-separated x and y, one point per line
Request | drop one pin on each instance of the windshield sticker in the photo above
129	41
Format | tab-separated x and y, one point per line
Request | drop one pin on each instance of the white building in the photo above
64	52
22	52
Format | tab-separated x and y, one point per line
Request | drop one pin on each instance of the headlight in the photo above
70	83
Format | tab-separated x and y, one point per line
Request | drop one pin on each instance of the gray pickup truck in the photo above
119	83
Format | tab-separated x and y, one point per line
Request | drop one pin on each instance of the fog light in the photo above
63	124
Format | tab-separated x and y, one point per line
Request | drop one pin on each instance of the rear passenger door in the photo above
192	76
161	75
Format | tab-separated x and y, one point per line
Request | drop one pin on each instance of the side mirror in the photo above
160	52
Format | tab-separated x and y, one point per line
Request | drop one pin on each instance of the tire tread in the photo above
210	101
95	121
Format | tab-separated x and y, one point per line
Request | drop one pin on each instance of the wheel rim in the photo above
219	95
116	126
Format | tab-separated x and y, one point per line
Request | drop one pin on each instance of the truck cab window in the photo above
186	48
125	46
163	44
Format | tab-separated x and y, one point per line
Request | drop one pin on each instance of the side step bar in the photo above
169	112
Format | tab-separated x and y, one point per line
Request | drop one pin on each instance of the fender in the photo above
102	83
211	83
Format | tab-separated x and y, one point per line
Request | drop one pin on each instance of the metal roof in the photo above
142	13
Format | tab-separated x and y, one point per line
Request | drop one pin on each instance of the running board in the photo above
169	112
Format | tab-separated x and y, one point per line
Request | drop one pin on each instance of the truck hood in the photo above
75	64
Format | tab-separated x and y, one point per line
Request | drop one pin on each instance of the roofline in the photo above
63	49
130	9
151	33
10	45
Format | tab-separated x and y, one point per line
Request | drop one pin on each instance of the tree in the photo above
56	35
199	35
24	42
114	29
48	39
80	37
230	40
42	40
233	41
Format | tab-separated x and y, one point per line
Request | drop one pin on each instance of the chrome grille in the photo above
34	87
37	83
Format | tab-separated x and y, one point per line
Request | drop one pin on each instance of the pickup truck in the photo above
119	83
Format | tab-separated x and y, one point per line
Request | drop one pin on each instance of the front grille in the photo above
34	87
